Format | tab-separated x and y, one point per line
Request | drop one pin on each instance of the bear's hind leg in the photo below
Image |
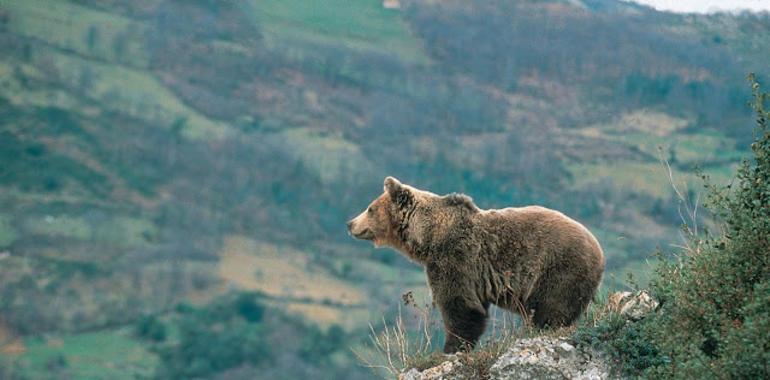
463	324
552	315
558	307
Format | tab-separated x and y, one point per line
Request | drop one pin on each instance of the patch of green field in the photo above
357	24
110	354
645	142
59	226
653	134
649	132
706	147
328	156
12	89
8	234
121	231
648	121
125	232
691	149
135	93
131	92
86	31
13	75
648	178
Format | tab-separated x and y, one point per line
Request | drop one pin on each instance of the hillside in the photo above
163	152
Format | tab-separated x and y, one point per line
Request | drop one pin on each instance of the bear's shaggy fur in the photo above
528	259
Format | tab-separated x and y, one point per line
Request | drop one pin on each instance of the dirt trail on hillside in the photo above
10	344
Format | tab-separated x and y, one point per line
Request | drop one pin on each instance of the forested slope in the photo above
159	152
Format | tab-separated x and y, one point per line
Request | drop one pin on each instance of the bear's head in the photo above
406	218
379	222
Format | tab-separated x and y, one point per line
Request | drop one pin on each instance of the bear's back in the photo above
542	232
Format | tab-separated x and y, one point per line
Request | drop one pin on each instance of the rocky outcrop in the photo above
546	357
633	306
549	358
534	358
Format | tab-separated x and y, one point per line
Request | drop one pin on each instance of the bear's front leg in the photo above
463	323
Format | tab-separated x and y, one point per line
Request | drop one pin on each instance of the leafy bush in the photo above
627	343
715	299
151	328
714	319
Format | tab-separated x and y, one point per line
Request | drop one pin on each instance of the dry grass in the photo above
688	211
399	346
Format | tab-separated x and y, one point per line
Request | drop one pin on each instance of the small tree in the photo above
715	314
714	318
150	327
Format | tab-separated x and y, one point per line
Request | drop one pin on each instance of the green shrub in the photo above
715	298
151	328
249	308
714	318
627	343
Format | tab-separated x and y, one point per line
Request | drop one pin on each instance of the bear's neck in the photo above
414	253
435	243
425	240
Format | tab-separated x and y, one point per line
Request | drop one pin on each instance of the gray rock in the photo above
548	358
632	306
566	348
534	358
411	374
439	372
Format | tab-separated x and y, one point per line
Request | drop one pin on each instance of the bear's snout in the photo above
359	230
350	227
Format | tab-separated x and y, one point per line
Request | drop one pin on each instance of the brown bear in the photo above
529	259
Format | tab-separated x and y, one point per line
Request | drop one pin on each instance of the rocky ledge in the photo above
546	357
533	358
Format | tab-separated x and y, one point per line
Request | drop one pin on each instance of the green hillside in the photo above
163	156
361	26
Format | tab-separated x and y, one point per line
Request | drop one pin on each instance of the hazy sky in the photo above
704	6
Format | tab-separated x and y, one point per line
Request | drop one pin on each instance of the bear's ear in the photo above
399	194
392	185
